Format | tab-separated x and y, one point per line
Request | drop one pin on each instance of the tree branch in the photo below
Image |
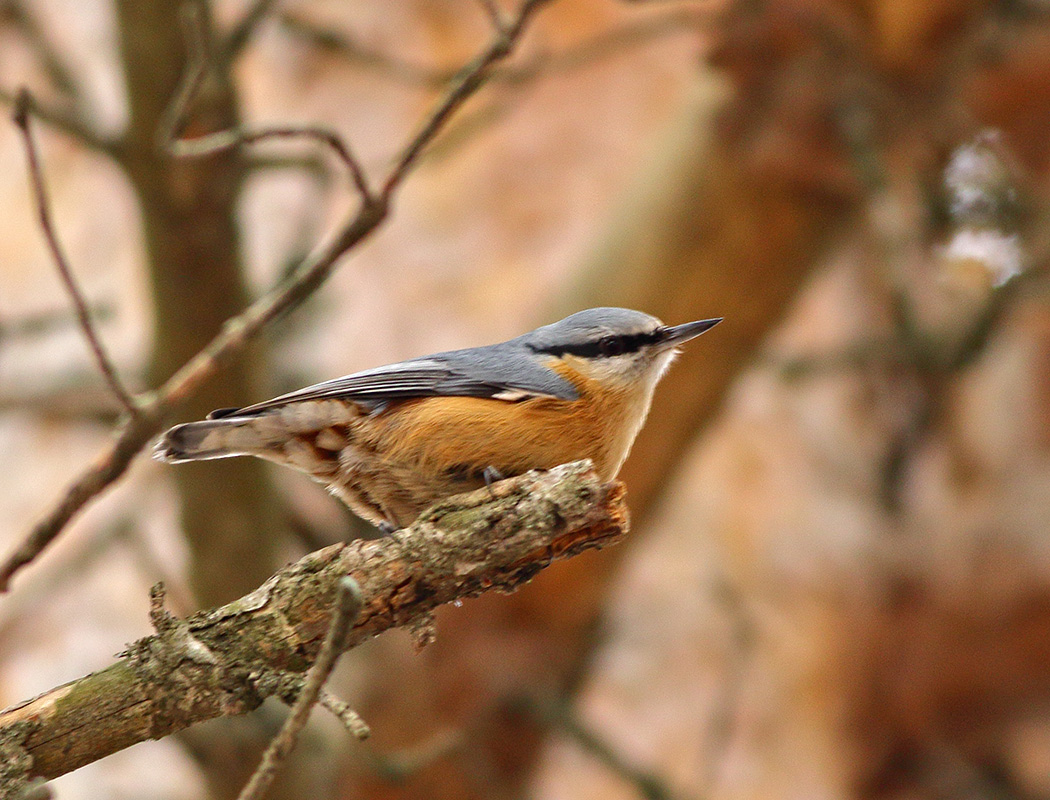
243	32
604	45
36	324
52	61
239	330
70	124
200	51
346	609
560	716
494	14
215	662
109	372
465	84
223	140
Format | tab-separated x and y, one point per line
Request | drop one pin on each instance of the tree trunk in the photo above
192	248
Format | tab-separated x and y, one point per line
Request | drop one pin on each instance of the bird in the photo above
393	440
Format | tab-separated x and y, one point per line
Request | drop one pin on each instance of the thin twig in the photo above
494	14
51	59
69	123
358	54
561	717
351	720
192	79
79	398
238	331
608	44
245	29
37	324
469	80
605	45
109	372
312	165
224	140
348	605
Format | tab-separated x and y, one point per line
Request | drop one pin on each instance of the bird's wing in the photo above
423	377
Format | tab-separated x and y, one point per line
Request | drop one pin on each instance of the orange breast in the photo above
437	434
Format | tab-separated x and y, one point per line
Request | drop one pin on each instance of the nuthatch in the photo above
393	440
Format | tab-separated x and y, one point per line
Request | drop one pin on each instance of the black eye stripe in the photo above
606	346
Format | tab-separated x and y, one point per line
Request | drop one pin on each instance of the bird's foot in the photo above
491	475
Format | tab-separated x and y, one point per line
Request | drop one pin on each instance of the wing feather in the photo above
424	377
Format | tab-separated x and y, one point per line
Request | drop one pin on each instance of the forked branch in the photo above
23	104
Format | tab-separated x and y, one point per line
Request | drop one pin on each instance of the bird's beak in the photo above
690	330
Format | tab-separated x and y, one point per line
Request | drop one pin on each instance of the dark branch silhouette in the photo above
21	118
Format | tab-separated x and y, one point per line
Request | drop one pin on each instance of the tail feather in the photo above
226	434
200	441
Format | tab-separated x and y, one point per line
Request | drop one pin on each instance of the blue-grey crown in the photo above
588	329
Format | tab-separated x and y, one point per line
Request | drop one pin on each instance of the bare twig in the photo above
211	664
69	123
348	605
189	87
224	140
241	329
51	60
492	11
245	29
351	720
201	53
105	365
466	83
605	45
309	164
34	325
80	402
561	717
358	54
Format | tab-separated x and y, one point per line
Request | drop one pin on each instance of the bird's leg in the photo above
386	527
491	475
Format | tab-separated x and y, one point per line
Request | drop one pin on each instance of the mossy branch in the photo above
222	661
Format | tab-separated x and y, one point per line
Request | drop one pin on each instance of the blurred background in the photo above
837	584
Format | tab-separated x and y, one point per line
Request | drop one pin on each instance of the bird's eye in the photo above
611	346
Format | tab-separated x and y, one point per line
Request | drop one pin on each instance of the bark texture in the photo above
225	661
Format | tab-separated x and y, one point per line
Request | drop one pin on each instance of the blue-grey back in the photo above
513	369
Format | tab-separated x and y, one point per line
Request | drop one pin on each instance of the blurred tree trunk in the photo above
192	242
889	651
703	234
193	249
